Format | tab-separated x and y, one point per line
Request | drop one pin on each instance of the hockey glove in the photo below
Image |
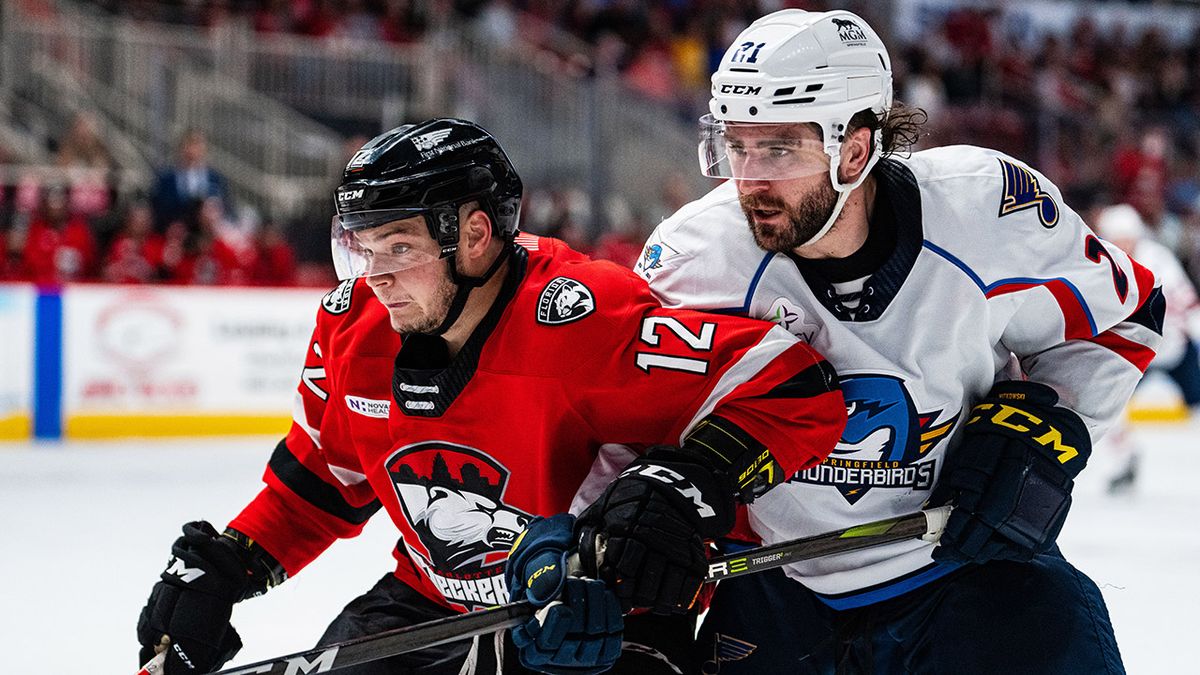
654	520
188	610
1011	476
578	627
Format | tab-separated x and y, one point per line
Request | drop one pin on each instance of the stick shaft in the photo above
392	643
924	524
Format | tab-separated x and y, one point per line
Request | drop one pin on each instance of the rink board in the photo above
16	360
107	361
111	361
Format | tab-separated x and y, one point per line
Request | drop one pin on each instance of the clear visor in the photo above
367	243
754	151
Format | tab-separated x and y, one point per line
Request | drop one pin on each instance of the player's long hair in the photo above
901	128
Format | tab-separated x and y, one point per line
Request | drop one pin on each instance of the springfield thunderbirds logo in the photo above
886	442
453	498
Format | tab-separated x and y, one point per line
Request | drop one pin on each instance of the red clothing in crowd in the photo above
133	260
276	265
214	264
54	255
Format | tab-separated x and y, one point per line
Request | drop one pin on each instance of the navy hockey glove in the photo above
1011	476
578	628
188	610
654	520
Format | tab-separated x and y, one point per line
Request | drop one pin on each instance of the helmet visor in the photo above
384	241
756	151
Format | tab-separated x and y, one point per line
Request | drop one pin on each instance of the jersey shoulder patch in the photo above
337	301
564	300
1023	191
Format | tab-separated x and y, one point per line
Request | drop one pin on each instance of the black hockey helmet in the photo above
428	169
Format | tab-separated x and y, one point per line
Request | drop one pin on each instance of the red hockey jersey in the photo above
574	354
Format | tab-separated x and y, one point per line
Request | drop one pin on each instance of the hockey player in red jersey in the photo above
468	379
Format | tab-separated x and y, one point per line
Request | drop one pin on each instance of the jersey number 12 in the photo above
652	335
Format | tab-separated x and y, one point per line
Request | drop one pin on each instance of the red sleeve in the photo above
665	370
305	507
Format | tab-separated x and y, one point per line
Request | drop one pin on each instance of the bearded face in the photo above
782	219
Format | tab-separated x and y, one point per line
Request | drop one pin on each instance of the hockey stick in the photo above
926	525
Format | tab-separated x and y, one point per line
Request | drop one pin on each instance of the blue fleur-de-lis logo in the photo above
1021	191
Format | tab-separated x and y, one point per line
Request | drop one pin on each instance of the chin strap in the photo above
464	285
843	195
843	189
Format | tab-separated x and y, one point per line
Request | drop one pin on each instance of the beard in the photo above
804	220
432	314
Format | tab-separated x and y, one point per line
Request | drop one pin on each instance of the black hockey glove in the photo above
189	609
654	519
1011	476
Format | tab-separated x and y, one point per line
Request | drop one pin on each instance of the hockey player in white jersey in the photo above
1177	355
985	339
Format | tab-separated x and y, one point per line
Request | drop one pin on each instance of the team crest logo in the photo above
850	32
791	318
885	444
726	649
564	300
653	257
453	498
1021	191
337	301
430	140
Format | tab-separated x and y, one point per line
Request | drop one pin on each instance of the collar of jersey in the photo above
898	192
428	392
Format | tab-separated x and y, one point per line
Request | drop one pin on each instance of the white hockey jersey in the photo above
989	263
1182	322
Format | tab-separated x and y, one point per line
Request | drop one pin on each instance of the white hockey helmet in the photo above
1120	222
791	67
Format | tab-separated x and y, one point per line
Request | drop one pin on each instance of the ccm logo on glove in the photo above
1004	416
674	479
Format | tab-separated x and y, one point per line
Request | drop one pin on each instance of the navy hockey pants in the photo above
652	644
999	617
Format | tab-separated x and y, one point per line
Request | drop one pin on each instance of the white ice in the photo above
85	529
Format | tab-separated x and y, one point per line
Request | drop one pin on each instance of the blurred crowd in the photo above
69	226
1112	116
397	21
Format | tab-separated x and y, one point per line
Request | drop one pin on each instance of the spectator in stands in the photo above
178	189
275	261
81	147
321	19
207	258
136	253
59	247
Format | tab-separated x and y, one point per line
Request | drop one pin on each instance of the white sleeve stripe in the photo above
347	477
1136	332
774	343
301	419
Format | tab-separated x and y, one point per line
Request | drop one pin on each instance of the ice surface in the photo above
87	527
